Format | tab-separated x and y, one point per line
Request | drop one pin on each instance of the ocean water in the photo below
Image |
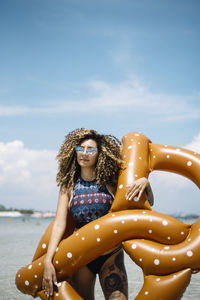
19	238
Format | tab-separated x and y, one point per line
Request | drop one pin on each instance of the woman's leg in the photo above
113	278
83	283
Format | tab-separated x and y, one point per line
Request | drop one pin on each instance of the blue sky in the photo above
115	66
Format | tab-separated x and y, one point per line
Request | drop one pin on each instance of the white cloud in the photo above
13	110
27	174
19	165
124	96
195	144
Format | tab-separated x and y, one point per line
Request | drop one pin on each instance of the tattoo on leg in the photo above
113	282
111	268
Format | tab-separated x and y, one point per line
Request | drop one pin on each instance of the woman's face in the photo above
87	153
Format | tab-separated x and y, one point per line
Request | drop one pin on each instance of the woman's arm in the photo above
138	187
57	232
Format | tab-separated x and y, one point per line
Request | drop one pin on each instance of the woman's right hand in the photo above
49	278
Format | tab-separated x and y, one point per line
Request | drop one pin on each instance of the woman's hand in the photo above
49	278
137	188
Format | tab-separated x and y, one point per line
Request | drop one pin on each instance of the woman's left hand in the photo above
137	188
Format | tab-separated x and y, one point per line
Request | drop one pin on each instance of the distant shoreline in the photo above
39	214
36	214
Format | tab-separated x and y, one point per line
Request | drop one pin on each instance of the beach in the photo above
19	237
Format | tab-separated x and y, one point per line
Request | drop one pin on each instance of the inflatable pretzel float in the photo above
167	250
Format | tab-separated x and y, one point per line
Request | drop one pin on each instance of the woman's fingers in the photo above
136	188
50	293
132	193
49	279
48	287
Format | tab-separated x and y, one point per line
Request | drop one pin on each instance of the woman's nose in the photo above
85	151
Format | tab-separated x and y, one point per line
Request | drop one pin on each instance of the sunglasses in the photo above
89	151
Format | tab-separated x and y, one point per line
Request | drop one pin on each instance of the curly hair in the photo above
108	162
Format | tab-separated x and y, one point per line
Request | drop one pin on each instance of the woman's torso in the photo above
89	201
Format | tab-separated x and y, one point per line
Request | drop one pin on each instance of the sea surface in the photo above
18	240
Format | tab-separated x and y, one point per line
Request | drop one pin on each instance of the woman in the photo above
89	163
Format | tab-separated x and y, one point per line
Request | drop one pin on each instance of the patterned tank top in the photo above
89	202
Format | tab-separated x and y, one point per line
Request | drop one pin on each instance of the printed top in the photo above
89	202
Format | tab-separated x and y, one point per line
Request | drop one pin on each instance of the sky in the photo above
117	66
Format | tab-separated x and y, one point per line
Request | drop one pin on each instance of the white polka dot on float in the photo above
165	223
174	258
189	253
156	262
69	255
166	247
157	279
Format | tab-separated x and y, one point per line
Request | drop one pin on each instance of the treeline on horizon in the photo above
23	211
31	211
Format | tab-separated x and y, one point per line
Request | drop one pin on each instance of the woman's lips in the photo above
84	160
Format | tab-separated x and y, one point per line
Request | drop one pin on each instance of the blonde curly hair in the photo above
108	162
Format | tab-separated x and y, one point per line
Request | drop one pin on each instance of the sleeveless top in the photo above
89	202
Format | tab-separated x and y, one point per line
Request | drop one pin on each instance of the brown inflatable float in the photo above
167	250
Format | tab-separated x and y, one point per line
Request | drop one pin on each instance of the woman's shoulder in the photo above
67	191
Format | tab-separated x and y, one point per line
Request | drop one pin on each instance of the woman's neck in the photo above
88	174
